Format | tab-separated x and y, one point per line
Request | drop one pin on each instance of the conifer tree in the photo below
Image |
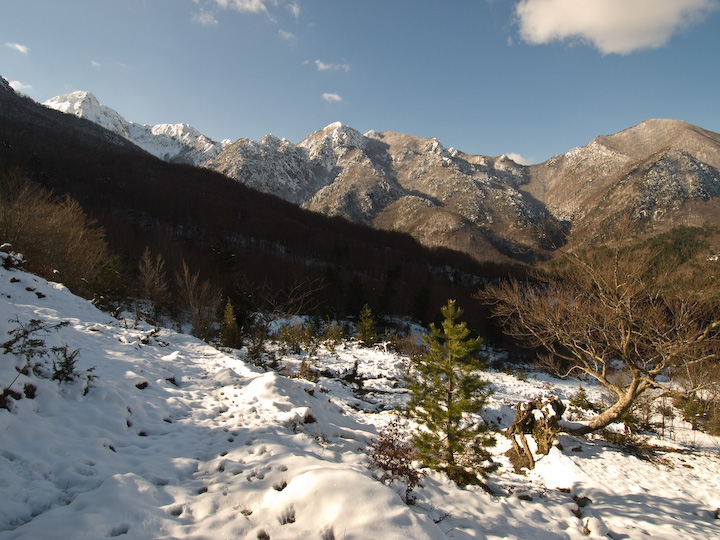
366	327
446	395
231	335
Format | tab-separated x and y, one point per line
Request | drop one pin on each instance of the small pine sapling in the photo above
64	368
231	334
26	341
446	398
332	336
367	333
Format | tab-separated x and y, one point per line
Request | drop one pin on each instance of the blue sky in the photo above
527	77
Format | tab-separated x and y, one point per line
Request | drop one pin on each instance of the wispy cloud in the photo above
204	18
247	6
322	66
612	26
331	98
95	64
522	160
20	87
287	36
20	48
294	8
210	11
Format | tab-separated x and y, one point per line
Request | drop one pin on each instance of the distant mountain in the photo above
252	245
397	182
179	143
659	174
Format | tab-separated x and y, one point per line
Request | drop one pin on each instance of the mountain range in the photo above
658	174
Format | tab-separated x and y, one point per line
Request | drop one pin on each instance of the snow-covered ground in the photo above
175	439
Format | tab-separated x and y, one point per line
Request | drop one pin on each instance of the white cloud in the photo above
95	64
20	87
322	66
20	48
613	26
517	158
287	36
294	8
331	98
204	18
247	6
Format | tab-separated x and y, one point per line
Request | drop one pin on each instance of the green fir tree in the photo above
367	333
446	398
231	334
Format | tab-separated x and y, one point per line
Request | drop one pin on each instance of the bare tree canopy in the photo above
622	316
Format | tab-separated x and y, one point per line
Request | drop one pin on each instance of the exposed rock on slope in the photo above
659	173
397	182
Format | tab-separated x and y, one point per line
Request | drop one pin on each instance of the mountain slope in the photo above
659	173
442	197
244	242
172	142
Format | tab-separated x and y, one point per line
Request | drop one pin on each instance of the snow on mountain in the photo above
270	165
661	172
330	144
173	438
171	142
85	105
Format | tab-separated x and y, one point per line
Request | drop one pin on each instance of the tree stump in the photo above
538	418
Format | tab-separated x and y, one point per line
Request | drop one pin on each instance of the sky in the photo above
527	78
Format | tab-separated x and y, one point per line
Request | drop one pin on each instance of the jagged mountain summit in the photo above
660	173
172	142
398	182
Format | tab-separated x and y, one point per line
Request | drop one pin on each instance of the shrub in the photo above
231	334
26	341
55	236
332	336
297	337
307	371
580	400
64	368
200	299
395	457
152	282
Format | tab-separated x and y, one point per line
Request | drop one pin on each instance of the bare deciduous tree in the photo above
607	315
152	280
54	234
200	299
272	305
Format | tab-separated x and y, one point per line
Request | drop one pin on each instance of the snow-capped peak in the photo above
331	142
85	105
171	142
333	126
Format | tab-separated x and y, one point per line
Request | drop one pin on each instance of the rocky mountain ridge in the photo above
171	142
660	173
